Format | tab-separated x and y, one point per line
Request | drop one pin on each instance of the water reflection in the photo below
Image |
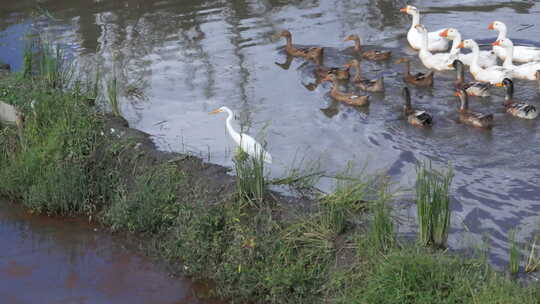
186	58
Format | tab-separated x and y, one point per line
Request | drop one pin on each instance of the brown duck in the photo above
417	118
341	73
375	55
472	118
418	79
347	98
311	53
368	85
474	88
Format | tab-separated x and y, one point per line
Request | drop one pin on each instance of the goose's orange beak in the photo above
461	45
496	43
444	33
403	10
491	26
500	84
457	93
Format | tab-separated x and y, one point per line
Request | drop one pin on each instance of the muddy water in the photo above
178	60
45	260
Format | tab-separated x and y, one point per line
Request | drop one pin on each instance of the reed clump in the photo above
433	204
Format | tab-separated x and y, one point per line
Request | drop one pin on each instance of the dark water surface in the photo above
178	60
53	261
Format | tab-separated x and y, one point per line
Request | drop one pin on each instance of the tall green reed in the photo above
433	204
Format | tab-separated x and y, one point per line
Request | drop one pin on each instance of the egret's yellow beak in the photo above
500	84
216	111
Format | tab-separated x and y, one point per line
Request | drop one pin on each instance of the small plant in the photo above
250	180
382	227
433	204
533	261
515	253
112	94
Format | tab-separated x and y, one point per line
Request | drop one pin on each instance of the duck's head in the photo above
449	33
537	74
507	82
497	25
402	60
409	9
352	63
505	42
330	77
285	33
456	64
352	37
466	44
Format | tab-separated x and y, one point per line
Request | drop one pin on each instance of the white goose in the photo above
525	71
438	61
436	42
493	75
485	59
521	53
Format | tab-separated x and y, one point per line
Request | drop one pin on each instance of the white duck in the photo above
436	42
525	71
493	75
485	59
438	61
521	53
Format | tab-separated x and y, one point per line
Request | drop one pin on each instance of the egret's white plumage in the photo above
246	142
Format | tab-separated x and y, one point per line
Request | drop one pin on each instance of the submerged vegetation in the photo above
254	245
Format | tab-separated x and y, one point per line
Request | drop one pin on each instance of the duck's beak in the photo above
496	43
500	84
457	93
444	33
461	45
216	111
404	10
491	26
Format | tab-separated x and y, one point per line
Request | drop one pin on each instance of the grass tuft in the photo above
433	204
250	179
515	253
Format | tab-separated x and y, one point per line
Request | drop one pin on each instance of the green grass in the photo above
250	178
515	253
112	94
433	204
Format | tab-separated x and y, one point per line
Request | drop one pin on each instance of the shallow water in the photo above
47	260
178	60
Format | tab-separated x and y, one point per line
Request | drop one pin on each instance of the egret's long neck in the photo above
415	19
235	136
455	42
509	60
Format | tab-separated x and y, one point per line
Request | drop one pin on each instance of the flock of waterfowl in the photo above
448	44
483	65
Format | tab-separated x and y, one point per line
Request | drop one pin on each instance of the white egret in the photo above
246	142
